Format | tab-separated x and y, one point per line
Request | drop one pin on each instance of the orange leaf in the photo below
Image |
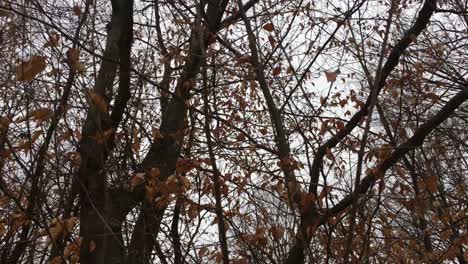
27	70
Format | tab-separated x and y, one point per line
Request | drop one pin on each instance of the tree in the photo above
219	131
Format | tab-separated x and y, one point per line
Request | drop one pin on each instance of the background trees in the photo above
233	132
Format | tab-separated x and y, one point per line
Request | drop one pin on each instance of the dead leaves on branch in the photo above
28	70
98	101
73	59
154	185
39	115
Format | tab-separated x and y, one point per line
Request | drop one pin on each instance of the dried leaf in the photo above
92	246
4	13
339	125
136	140
202	252
343	102
331	76
57	260
98	101
138	179
56	229
192	211
330	155
276	71
2	229
27	70
156	134
272	41
432	184
53	40
277	232
5	121
150	191
325	191
80	67
269	27
70	223
243	59
77	10
73	55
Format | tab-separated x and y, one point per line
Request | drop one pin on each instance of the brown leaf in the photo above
73	55
330	155
277	232
80	67
192	211
331	76
150	191
272	41
4	13
98	101
27	70
136	140
4	122
339	125
432	184
56	229
36	135
156	134
77	10
92	246
70	223
243	59
138	179
39	115
53	40
219	257
3	230
57	260
343	102
202	252
269	27
325	191
276	71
